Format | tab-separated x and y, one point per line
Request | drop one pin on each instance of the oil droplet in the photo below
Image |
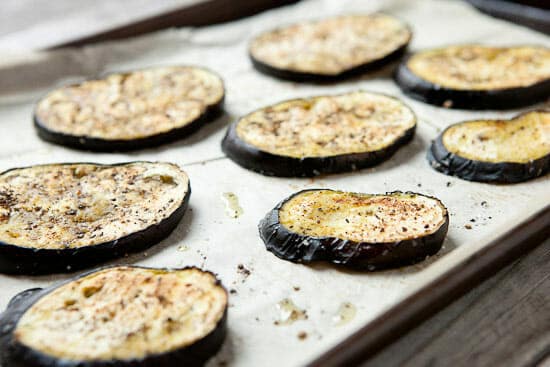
232	207
346	312
289	312
182	248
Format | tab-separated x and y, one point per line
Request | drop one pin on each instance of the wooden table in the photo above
503	321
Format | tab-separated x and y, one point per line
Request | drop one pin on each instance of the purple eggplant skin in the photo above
471	170
298	76
19	260
297	248
497	99
15	354
268	164
104	145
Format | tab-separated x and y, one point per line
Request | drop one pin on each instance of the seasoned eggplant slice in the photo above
61	217
326	134
330	49
118	316
355	230
130	111
477	77
501	151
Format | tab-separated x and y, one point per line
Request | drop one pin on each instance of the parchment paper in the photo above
220	243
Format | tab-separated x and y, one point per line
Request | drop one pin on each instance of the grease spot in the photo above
289	312
346	312
232	207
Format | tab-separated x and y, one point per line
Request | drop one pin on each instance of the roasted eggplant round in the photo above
499	151
62	217
330	49
130	111
118	316
326	134
477	77
363	231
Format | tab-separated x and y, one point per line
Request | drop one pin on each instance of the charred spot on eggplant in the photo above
477	77
62	217
130	111
118	316
318	135
499	151
357	230
330	49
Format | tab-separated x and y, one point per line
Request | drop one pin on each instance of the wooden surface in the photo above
505	321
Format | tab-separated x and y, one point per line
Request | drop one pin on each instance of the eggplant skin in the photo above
298	248
19	260
297	76
497	99
15	354
104	145
471	170
268	164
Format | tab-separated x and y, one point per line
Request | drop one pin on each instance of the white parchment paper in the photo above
219	243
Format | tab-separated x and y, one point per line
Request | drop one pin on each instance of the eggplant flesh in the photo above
117	316
497	151
337	47
63	217
129	111
362	231
320	135
477	77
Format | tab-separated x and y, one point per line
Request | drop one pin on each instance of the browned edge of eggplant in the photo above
451	164
20	260
15	354
298	76
88	143
297	248
250	157
497	99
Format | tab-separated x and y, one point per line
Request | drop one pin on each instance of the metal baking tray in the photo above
490	224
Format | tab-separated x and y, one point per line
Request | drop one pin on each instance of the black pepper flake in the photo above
302	335
467	226
243	270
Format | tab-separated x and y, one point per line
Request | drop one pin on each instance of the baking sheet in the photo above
208	237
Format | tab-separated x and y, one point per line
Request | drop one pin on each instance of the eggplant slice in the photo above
330	49
62	217
498	151
118	316
477	77
325	134
356	230
130	111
